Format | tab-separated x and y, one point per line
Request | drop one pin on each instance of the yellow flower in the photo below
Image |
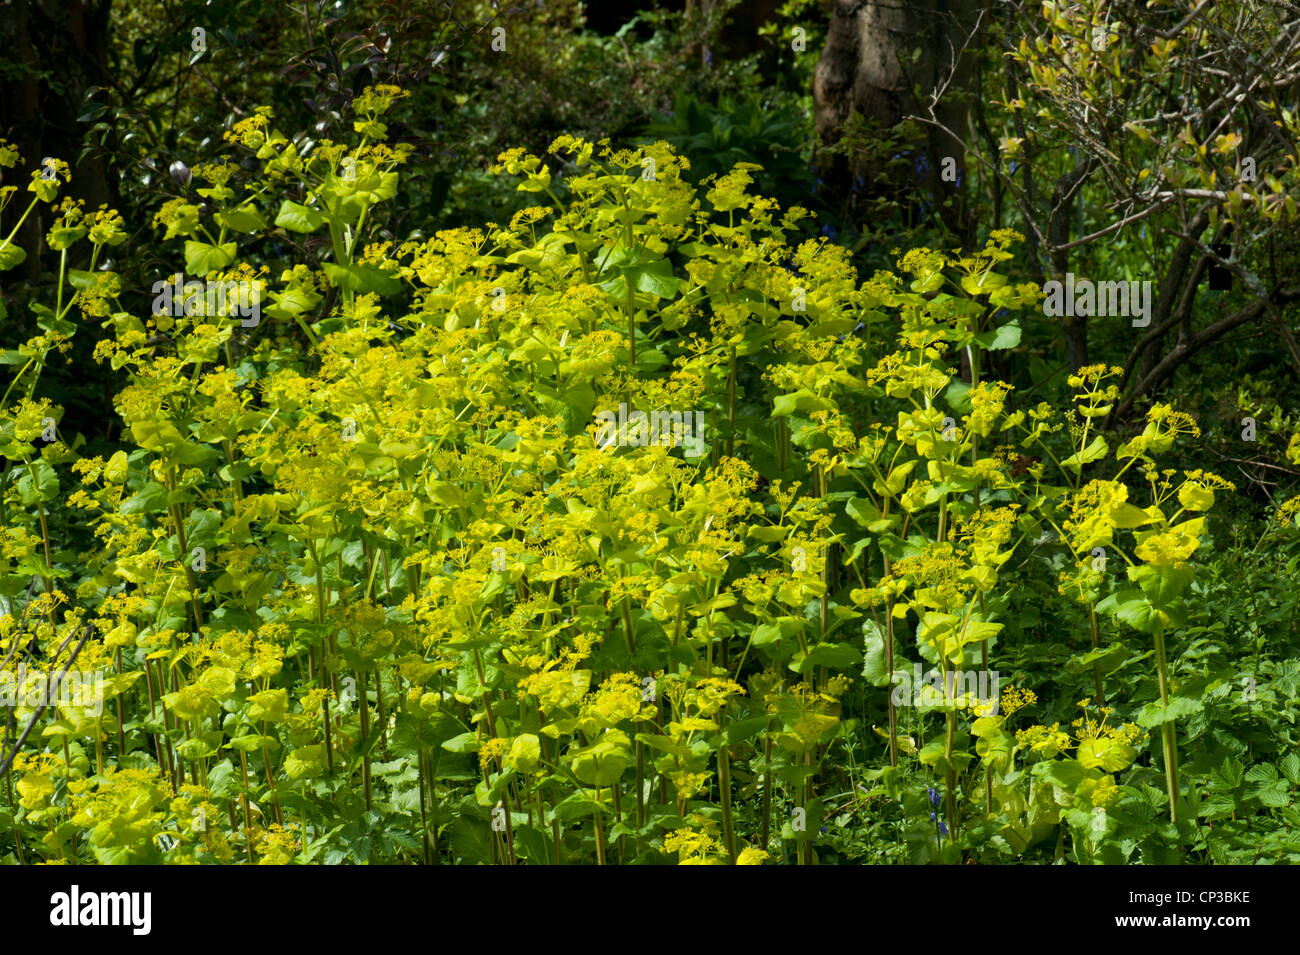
1289	510
1171	547
1014	699
693	847
491	749
1105	792
1047	740
618	699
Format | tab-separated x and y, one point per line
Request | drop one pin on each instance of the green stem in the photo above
724	788
600	832
951	774
631	321
1096	664
248	816
365	733
1167	731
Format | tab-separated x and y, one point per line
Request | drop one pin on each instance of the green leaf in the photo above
1108	753
1156	714
868	515
1135	608
1162	585
1290	766
11	255
656	278
1228	776
253	742
464	743
983	284
39	483
957	396
1095	450
80	279
156	434
576	806
873	665
203	257
836	656
1127	516
49	322
604	761
362	279
1002	337
1065	774
246	219
745	729
801	400
305	762
291	302
150	499
298	218
647	273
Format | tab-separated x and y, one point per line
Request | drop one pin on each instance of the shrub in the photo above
374	580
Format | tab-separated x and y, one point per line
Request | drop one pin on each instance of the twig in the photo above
8	760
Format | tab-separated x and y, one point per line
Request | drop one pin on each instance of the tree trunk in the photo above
1074	328
58	49
866	68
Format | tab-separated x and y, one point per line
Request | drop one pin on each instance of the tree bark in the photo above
1075	328
59	49
866	68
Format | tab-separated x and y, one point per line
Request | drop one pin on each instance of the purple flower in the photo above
934	797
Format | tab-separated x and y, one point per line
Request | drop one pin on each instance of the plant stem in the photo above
365	733
724	788
248	817
600	832
631	321
1096	664
1167	730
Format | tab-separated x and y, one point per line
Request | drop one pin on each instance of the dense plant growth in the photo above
609	534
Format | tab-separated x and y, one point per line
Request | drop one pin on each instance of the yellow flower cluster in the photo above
1014	699
1049	741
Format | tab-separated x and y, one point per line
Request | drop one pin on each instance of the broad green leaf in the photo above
247	218
1157	714
1002	337
203	257
298	218
11	255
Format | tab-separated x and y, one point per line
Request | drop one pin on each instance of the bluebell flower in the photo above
934	797
943	828
932	817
